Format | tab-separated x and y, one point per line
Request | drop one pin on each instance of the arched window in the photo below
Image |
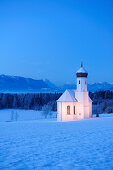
68	110
74	111
79	81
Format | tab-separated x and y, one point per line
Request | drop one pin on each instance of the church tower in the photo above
81	79
82	95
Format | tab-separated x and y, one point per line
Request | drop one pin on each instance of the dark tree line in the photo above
102	102
39	100
29	101
100	96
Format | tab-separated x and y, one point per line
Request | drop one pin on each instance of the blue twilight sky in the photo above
48	38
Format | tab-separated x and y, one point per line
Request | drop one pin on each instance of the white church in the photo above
75	104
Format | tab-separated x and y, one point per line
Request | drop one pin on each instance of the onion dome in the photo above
81	72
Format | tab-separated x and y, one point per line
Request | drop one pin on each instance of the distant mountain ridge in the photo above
100	86
91	87
21	84
16	83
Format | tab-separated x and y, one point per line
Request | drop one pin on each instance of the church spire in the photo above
81	63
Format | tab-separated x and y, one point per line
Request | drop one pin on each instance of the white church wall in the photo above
62	111
82	84
86	112
85	106
59	111
82	97
65	116
90	109
81	111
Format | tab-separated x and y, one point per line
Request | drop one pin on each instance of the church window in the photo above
79	81
68	110
74	110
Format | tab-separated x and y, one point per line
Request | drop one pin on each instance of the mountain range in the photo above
91	87
22	84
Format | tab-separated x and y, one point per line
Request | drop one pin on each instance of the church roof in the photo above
67	96
90	100
81	70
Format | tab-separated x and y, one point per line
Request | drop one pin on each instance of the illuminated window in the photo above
74	110
79	81
68	110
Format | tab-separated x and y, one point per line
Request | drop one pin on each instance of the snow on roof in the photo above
90	100
81	70
67	96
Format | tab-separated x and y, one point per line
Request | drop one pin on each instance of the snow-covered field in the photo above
40	144
8	115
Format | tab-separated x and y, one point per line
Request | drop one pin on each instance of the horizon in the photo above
47	40
65	83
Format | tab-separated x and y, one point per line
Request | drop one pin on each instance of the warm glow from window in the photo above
74	110
68	110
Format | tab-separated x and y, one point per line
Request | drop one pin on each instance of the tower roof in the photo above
67	96
81	72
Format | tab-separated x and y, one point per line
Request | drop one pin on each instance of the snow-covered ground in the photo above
8	115
40	144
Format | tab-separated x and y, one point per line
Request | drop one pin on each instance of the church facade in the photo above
75	104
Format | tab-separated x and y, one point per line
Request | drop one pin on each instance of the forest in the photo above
28	101
102	101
